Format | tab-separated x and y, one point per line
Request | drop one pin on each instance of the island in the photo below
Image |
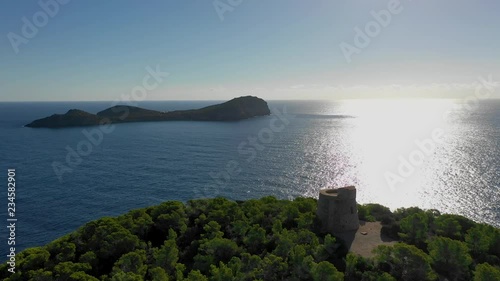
233	110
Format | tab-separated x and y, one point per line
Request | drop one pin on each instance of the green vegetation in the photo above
264	239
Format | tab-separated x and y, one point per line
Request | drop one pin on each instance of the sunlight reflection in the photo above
385	130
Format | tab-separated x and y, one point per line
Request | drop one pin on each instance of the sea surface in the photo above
440	154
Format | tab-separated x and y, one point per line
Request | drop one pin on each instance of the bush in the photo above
258	239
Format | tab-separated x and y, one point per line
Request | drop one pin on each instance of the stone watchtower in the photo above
338	210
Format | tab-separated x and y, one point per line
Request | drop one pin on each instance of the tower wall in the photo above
338	210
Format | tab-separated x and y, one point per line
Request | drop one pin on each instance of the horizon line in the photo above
218	100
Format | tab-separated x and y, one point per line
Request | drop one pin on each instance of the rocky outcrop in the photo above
233	110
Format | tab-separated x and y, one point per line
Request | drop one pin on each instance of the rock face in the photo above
233	110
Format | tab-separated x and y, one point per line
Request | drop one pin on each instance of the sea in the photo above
430	153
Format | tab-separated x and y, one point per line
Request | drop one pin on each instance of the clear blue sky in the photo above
282	49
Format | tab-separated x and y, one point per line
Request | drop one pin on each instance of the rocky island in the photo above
233	110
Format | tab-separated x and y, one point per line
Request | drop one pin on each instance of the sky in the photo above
215	50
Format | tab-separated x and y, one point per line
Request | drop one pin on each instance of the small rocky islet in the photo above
236	109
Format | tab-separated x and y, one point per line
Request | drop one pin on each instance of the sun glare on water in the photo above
384	131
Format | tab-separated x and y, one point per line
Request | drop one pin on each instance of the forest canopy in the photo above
261	239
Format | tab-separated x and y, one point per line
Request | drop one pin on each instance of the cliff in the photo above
233	110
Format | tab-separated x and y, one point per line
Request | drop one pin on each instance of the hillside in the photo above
262	239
